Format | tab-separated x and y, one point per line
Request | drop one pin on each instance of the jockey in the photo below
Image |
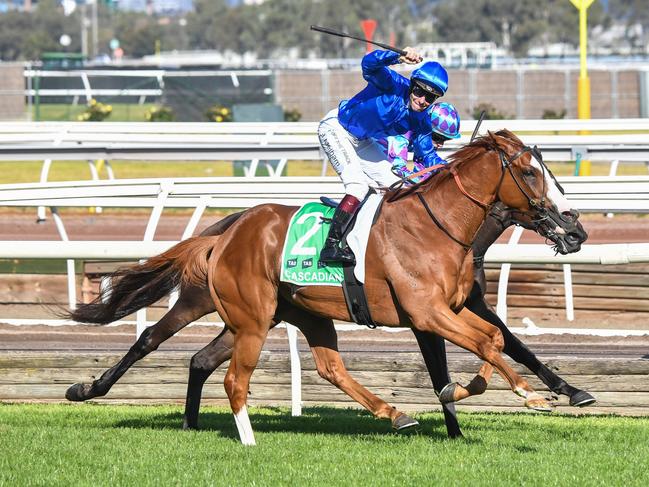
446	125
389	105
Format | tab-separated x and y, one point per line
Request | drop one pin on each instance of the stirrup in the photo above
335	254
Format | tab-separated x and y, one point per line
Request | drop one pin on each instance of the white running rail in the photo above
588	194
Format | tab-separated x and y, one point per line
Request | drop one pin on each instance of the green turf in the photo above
37	266
137	445
64	112
30	171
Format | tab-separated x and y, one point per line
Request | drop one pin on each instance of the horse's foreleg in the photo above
456	392
323	341
473	334
202	364
517	350
192	304
433	350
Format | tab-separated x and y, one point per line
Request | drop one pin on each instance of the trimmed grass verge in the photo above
143	445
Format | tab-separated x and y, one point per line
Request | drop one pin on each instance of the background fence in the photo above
517	93
524	92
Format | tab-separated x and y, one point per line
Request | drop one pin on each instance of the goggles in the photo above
426	91
439	139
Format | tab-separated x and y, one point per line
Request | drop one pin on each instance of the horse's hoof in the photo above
77	392
538	404
581	399
447	394
404	422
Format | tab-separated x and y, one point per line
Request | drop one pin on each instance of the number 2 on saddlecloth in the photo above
299	248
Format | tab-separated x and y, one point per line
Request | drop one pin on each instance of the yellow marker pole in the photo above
583	84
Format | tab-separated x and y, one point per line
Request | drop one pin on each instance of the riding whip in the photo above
338	33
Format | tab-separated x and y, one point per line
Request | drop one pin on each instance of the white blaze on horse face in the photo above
553	193
244	427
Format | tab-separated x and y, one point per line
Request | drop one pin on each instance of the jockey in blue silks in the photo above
446	125
389	105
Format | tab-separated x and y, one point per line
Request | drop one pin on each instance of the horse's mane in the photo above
476	148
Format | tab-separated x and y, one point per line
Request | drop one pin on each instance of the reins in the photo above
506	164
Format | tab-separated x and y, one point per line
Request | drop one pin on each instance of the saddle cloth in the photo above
305	238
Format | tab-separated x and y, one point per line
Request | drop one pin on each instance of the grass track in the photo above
128	445
30	171
67	112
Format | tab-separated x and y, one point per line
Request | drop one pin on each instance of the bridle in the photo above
537	216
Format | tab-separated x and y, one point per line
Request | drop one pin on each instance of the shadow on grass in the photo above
314	420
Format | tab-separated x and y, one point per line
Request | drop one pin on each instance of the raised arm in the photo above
375	69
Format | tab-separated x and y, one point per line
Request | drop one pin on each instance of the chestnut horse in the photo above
207	360
421	274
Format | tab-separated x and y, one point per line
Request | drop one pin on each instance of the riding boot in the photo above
332	252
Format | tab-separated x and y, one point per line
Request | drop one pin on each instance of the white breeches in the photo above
361	164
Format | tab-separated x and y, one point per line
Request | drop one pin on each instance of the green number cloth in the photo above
304	240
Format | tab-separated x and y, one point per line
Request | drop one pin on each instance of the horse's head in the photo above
532	194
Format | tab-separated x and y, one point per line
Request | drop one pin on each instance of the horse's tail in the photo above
135	287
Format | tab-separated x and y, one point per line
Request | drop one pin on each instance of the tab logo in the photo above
306	263
290	263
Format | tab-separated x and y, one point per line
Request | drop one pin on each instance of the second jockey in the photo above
389	105
446	125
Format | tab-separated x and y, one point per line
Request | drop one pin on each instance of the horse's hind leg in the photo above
321	336
193	303
202	364
245	355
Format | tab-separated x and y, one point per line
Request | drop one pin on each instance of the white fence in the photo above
588	194
50	141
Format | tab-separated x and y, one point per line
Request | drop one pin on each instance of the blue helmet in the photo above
432	74
445	120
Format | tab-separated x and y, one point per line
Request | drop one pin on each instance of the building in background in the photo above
158	7
133	5
24	5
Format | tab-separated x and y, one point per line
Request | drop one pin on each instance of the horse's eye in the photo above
529	172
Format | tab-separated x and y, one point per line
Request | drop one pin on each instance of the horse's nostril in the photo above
573	239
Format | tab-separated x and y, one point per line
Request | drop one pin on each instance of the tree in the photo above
284	24
633	12
137	34
513	25
26	35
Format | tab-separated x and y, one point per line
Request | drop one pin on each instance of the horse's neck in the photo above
461	216
488	234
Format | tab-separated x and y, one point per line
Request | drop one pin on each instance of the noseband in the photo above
540	213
